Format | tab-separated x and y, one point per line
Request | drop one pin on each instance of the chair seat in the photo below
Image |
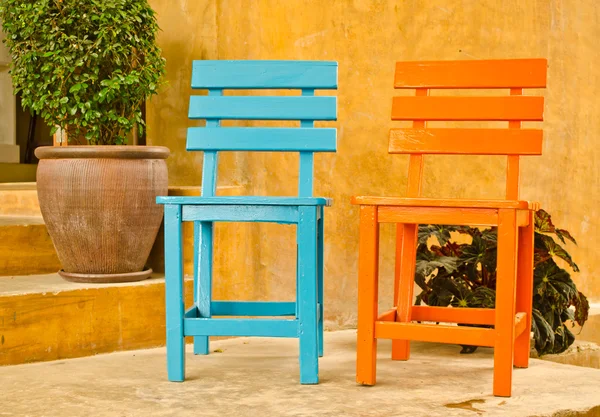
451	203
246	201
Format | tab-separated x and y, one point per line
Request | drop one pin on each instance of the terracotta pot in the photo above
99	205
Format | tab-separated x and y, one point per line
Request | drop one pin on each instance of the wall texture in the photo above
366	37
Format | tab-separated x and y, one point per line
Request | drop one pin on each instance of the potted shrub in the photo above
86	67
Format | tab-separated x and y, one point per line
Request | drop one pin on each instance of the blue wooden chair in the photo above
306	314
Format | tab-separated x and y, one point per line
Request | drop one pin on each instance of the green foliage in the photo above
464	275
84	65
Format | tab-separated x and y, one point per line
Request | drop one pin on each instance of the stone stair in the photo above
25	246
45	318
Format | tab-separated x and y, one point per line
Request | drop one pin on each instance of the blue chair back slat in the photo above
264	74
304	75
265	139
263	108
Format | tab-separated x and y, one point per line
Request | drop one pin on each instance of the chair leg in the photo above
320	254
174	294
368	271
307	295
505	302
203	275
406	283
525	291
398	345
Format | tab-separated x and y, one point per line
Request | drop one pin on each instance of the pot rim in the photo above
102	152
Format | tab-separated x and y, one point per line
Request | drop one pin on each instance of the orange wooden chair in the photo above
511	319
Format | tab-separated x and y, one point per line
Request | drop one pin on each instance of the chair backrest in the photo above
307	76
512	74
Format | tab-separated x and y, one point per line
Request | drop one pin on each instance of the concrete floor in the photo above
259	377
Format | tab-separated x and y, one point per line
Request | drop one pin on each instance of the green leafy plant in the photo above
85	66
461	272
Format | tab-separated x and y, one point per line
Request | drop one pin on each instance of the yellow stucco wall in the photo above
366	38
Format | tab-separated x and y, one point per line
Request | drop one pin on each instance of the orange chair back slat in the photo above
509	73
468	108
514	74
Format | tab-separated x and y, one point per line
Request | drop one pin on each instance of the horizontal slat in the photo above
261	214
252	308
245	200
262	139
264	74
466	141
526	108
435	333
240	327
454	315
263	108
438	215
509	73
442	202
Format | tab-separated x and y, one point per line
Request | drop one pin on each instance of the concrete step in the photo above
44	318
256	376
19	199
13	172
25	246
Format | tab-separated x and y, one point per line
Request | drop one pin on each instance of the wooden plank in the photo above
435	333
368	283
453	315
307	159
505	73
524	298
253	308
513	161
437	215
389	315
442	108
264	74
406	285
174	294
229	213
211	158
203	275
416	163
466	141
262	139
245	200
307	295
320	273
439	202
506	277
263	108
241	327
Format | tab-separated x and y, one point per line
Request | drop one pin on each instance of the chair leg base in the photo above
400	350
201	345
